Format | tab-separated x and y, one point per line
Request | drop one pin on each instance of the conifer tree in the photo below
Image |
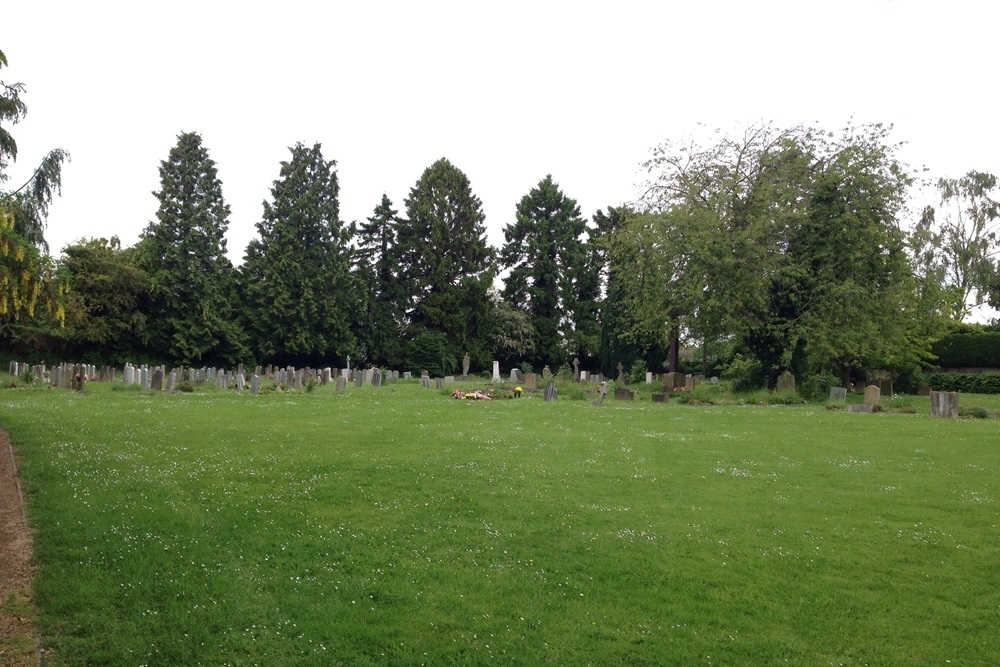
296	275
548	266
377	272
192	282
447	264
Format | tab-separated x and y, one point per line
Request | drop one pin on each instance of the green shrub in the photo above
968	350
979	383
185	386
637	373
975	412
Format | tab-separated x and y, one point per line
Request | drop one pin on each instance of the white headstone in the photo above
496	371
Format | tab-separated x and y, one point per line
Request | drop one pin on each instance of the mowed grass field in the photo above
396	526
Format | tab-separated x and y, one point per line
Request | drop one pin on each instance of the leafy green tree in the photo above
784	242
377	272
192	283
513	336
969	235
27	274
107	304
447	264
546	257
296	276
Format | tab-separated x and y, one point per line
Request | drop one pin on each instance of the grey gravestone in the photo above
689	382
944	404
621	373
439	383
576	369
172	381
325	377
358	379
658	397
377	378
407	375
786	382
623	394
873	395
369	374
449	379
673	381
838	393
254	384
714	379
518	376
341	384
583	376
859	407
241	381
602	391
531	381
546	373
550	392
649	377
496	371
513	375
425	379
143	375
157	382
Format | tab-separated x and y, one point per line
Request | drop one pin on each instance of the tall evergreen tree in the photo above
447	264
377	272
184	252
296	276
546	255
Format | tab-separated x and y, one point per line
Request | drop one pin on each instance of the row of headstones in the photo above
943	403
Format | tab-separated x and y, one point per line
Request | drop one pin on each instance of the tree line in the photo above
766	250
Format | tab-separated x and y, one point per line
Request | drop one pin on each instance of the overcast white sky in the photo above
509	92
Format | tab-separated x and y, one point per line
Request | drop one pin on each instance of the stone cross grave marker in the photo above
602	391
621	373
576	369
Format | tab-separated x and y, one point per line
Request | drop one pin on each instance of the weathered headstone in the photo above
673	381
172	381
518	376
255	384
368	375
623	394
546	373
714	379
621	373
496	371
157	381
689	382
944	404
649	377
377	378
658	397
324	377
439	383
407	375
513	375
449	379
550	392
425	379
859	407
602	390
873	395
838	393
786	381
341	384
359	379
576	369
241	381
583	376
531	381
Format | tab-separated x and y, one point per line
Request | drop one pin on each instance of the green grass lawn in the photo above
395	526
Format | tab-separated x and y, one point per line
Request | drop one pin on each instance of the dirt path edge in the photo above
19	640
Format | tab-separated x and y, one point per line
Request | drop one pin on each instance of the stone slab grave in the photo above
658	397
341	384
602	391
649	377
439	383
377	378
838	394
689	382
496	372
255	384
425	379
531	381
449	379
860	407
550	392
944	404
623	394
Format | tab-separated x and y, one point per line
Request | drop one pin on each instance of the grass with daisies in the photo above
399	526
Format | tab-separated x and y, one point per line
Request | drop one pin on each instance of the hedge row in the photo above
979	383
967	350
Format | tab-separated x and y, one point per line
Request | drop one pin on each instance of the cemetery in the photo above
307	516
